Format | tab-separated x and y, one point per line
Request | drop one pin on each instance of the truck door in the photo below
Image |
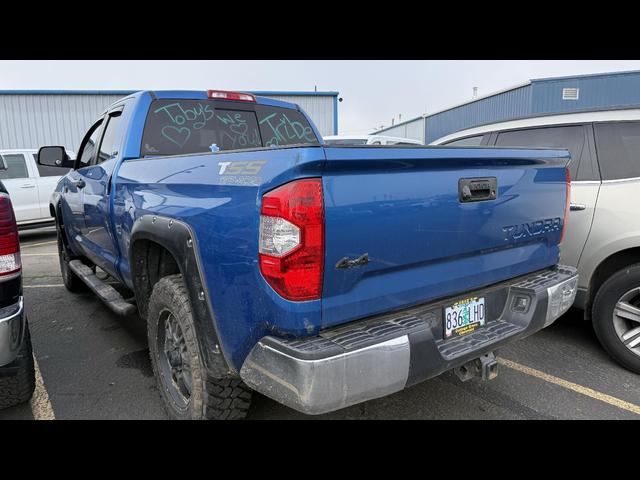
72	207
96	230
21	183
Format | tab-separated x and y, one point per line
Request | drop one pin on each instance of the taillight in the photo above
224	95
292	239
567	208
9	240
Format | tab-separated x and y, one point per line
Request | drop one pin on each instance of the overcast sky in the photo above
373	91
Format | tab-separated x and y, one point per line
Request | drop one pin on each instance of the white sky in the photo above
373	91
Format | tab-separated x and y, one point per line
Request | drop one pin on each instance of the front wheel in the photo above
616	317
188	391
70	279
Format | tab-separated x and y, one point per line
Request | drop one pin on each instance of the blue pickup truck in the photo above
320	276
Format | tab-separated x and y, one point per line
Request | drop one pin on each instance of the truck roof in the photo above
202	94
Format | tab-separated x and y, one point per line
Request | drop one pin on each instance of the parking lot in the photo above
92	364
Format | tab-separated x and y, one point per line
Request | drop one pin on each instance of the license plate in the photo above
464	317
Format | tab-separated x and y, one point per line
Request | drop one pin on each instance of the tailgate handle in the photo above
477	189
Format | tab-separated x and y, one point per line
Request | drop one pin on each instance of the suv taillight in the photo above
567	207
292	239
9	240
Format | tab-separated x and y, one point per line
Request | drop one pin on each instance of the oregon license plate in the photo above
464	317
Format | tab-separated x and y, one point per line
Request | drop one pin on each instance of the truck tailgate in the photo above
434	222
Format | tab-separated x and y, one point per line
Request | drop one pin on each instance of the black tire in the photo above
18	389
612	323
70	279
186	388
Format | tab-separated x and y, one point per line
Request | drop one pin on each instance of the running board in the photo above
105	292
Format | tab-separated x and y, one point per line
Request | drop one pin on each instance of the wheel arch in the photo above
162	246
607	267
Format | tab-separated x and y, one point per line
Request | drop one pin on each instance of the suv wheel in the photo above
188	391
616	316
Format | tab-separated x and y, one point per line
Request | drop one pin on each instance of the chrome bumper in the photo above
321	385
12	325
382	355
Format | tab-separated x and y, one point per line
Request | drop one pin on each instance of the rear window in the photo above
177	126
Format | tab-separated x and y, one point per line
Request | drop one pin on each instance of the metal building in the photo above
33	118
538	96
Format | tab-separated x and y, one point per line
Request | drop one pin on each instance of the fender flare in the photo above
178	238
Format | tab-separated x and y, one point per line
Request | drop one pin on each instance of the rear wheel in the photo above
19	388
188	391
616	316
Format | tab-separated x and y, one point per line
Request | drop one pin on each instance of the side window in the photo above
88	148
570	137
618	147
106	147
17	167
466	142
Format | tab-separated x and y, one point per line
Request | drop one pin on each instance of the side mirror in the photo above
54	157
3	164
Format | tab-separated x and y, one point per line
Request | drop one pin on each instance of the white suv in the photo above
30	186
602	238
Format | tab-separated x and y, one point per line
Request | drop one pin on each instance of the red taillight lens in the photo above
9	240
568	207
224	95
292	239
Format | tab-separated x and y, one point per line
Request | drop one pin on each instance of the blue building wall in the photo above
598	90
539	96
509	104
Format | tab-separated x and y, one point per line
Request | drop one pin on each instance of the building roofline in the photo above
467	102
129	92
482	97
68	92
586	75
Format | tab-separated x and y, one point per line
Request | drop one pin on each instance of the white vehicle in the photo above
368	140
30	186
602	238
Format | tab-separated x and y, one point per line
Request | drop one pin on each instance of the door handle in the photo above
80	184
577	206
27	185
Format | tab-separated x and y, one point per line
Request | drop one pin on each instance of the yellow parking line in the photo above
616	402
39	403
38	244
41	286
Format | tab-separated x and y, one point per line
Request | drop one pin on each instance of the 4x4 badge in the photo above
346	263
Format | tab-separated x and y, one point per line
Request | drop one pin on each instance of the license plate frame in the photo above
464	317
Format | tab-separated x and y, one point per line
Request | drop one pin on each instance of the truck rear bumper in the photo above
12	325
384	354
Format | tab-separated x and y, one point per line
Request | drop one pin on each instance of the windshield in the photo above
179	126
